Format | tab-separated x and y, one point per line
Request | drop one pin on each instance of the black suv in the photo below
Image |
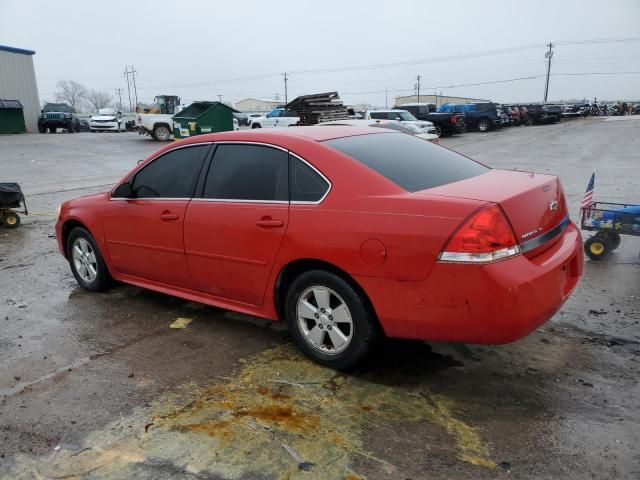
58	115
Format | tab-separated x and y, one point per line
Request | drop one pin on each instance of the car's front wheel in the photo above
329	320
86	261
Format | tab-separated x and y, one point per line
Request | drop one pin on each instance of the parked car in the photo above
58	115
553	110
540	116
243	119
480	116
83	125
445	123
513	113
431	135
278	117
362	232
252	116
107	120
402	116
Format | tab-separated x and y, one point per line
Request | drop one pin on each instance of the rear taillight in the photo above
486	237
454	118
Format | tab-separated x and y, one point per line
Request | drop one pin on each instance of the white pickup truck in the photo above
278	117
158	125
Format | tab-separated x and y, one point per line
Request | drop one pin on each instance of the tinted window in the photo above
248	172
383	115
173	175
305	183
410	162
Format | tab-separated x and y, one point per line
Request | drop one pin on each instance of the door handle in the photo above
168	216
268	222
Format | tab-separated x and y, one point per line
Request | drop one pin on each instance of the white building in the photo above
249	105
18	82
437	100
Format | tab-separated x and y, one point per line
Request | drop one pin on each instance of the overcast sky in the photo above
193	49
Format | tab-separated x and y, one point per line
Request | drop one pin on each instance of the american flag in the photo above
587	200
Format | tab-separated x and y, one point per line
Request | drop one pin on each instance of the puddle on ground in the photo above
280	415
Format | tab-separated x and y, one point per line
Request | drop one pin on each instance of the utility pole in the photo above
220	98
286	78
126	75
119	94
418	88
548	55
131	81
386	97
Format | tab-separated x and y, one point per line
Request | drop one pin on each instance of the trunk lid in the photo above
534	203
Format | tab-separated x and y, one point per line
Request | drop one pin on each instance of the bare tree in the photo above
98	99
73	93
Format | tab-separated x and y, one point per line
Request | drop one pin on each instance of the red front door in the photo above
145	239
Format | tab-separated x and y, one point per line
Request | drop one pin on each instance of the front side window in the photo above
248	172
306	184
406	116
172	175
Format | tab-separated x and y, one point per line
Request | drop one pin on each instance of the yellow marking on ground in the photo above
237	427
181	322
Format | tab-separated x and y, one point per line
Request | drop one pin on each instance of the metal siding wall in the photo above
18	82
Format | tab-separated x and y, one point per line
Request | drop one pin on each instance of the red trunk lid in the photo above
534	203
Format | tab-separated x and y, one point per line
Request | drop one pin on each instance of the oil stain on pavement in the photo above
280	417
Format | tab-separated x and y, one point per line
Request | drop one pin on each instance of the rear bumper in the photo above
491	304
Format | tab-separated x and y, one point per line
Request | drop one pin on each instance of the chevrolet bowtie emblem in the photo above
553	206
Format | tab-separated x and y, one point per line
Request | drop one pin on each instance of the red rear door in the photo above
232	234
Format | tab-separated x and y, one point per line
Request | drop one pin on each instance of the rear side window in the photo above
306	184
248	172
410	162
172	175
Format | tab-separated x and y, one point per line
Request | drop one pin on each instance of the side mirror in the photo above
123	191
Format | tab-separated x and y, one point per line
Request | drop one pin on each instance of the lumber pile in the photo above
319	107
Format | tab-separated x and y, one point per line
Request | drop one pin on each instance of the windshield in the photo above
407	117
56	107
408	161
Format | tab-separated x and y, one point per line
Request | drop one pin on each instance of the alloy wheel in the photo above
324	319
84	260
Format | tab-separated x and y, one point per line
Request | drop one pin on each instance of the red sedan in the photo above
345	233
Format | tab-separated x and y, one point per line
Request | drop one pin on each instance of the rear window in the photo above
408	161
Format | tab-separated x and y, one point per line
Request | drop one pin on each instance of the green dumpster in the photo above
203	117
11	117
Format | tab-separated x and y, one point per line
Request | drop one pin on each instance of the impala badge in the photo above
553	206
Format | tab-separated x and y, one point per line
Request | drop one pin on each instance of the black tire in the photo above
52	129
614	239
366	331
162	133
439	130
484	125
71	128
597	247
103	279
256	125
529	121
11	220
42	128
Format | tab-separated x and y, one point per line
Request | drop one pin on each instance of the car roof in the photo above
386	110
318	133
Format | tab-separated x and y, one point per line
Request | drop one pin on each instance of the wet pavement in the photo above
97	386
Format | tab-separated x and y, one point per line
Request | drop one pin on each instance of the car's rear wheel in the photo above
86	261
329	320
597	247
161	133
256	125
483	125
